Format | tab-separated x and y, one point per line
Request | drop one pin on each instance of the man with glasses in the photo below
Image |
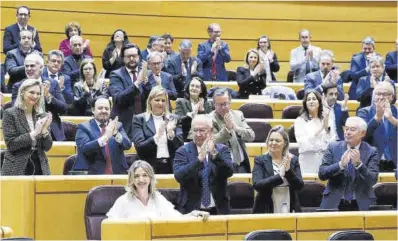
72	62
351	168
230	128
11	33
382	117
183	67
214	53
158	77
128	87
202	168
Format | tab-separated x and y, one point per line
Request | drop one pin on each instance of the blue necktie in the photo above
387	153
205	185
351	178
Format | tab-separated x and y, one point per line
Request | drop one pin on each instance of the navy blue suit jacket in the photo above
3	88
206	56
377	135
71	67
174	68
67	91
123	93
364	92
357	70
167	83
365	176
314	81
57	107
340	118
188	172
144	55
91	156
11	38
391	64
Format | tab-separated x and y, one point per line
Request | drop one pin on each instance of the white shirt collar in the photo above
20	26
99	124
356	147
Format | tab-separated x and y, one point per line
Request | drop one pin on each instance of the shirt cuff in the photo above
357	167
101	141
119	137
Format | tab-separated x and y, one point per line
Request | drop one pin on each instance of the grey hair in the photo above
281	130
203	117
185	44
75	38
130	188
57	53
304	30
152	55
377	59
25	30
20	101
385	85
35	57
362	125
368	40
220	92
327	53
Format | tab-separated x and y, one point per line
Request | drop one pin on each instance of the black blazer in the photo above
248	85
143	138
264	181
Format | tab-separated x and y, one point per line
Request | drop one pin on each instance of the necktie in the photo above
137	98
213	66
108	165
53	76
205	184
351	178
307	64
188	77
387	153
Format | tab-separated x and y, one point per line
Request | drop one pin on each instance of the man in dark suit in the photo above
360	64
183	67
72	62
54	101
382	132
326	75
351	168
12	33
101	142
55	60
149	47
3	87
15	58
202	168
158	77
129	87
337	113
392	62
214	53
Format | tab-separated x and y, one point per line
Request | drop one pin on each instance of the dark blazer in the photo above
71	67
274	66
357	70
91	156
314	81
143	138
366	175
183	106
188	172
106	64
11	38
377	135
123	93
364	91
16	133
67	91
15	66
264	180
174	68
3	88
340	118
83	99
248	85
206	56
144	55
391	65
57	107
167	83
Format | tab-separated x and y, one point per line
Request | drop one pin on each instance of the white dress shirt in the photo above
163	149
298	61
130	207
281	193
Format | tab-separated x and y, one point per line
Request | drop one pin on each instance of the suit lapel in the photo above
21	117
127	77
318	78
95	128
151	125
188	105
337	114
268	164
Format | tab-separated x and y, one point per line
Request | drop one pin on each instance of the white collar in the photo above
20	26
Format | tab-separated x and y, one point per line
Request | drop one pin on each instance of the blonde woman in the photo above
143	200
156	135
26	130
88	88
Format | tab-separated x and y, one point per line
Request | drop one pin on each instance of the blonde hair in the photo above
155	92
20	101
255	51
130	188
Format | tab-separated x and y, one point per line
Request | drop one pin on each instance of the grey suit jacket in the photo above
19	144
366	175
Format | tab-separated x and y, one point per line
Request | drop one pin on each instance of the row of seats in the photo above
100	199
283	235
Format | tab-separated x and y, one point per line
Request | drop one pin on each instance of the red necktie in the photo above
213	65
108	165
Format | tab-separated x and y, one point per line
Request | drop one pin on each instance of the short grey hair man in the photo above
362	125
185	44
